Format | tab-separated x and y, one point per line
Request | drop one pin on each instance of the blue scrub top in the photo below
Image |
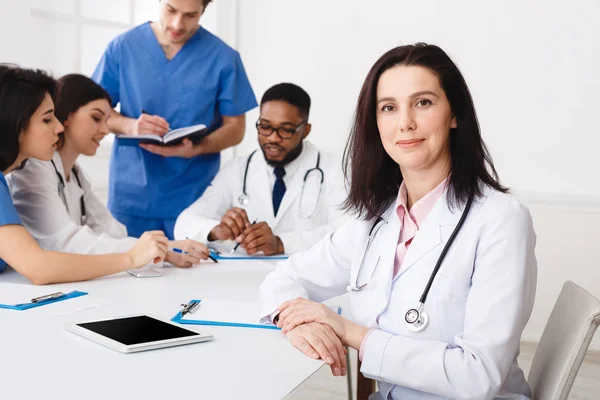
8	212
204	81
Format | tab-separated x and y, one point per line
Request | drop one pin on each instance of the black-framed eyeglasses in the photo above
284	132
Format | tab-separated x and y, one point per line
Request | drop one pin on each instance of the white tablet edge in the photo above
122	348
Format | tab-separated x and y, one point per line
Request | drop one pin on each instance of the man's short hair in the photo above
291	94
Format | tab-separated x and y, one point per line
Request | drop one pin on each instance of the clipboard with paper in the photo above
240	255
225	313
222	250
27	298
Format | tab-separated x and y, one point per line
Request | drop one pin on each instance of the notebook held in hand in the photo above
195	133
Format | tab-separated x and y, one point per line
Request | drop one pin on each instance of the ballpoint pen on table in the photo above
238	245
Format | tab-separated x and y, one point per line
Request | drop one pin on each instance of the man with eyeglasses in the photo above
279	200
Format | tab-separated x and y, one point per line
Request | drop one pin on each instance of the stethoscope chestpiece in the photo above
416	319
243	199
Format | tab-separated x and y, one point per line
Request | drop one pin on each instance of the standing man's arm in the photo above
234	100
107	75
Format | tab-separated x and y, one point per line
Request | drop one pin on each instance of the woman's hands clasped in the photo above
308	324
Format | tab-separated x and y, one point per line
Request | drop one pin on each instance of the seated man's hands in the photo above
233	223
319	341
260	237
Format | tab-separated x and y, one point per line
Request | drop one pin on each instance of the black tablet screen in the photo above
136	330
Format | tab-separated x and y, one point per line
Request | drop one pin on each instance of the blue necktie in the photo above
278	188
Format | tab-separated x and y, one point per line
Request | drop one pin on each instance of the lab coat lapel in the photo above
59	165
389	241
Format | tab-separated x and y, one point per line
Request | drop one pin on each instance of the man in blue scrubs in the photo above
179	74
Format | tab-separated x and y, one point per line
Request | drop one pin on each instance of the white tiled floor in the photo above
323	385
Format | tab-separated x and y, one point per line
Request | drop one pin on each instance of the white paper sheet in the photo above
236	312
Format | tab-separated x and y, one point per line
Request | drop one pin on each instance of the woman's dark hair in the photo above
73	92
375	177
22	91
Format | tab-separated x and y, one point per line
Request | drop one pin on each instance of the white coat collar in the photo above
427	238
60	167
57	160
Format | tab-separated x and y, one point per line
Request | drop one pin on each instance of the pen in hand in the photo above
238	244
176	250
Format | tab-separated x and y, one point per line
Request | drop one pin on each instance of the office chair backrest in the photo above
563	345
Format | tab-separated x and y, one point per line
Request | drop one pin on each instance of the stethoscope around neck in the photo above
244	198
62	194
416	318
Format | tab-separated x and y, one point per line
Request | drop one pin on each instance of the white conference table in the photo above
40	359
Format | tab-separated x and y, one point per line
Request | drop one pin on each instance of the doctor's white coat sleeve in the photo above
498	307
333	197
35	194
318	274
205	213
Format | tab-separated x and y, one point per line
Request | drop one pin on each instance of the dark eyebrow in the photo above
50	111
416	94
283	123
99	110
386	99
424	92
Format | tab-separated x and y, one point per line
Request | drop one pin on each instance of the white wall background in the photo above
534	71
533	68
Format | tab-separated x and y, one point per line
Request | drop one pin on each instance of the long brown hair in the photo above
375	177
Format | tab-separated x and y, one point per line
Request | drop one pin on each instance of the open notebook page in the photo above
181	132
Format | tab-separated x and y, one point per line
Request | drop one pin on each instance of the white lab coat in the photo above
58	227
296	233
478	304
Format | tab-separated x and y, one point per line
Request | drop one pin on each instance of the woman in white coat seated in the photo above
29	129
418	162
55	199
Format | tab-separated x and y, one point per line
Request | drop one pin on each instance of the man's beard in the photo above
289	157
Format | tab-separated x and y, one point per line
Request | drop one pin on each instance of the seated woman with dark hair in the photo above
55	199
29	129
440	265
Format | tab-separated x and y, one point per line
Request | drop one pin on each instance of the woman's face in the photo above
86	127
414	118
40	138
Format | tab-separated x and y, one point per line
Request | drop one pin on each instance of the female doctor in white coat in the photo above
55	199
418	164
